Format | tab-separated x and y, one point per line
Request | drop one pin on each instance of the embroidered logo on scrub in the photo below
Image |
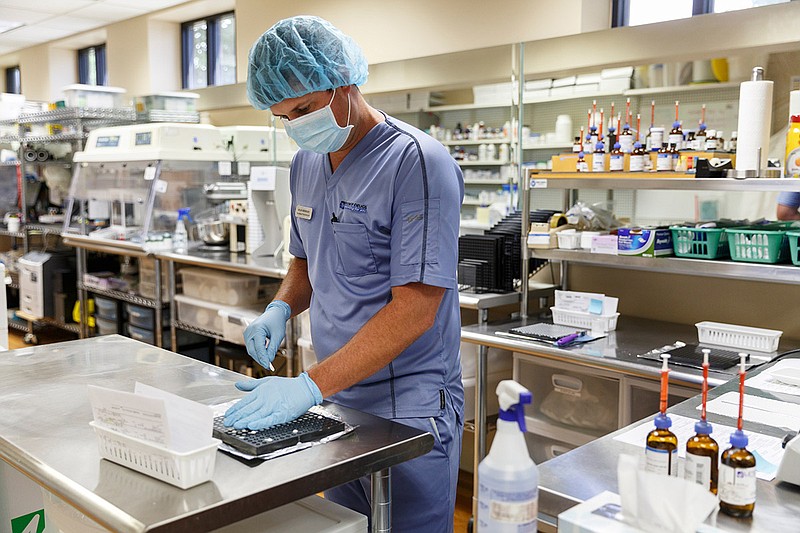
350	206
414	218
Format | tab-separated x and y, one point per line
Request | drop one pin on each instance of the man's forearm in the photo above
393	329
295	288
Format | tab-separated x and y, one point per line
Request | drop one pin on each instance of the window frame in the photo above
213	47
13	80
100	66
621	10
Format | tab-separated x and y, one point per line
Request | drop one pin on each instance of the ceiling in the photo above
48	20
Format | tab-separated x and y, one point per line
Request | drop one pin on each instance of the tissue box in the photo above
645	242
601	514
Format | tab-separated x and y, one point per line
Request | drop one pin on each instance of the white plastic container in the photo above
235	320
604	323
586	239
569	239
183	470
227	288
741	337
167	101
80	95
199	313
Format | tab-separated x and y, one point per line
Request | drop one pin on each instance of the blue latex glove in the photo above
272	400
270	325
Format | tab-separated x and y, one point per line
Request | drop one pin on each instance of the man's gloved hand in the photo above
272	400
270	325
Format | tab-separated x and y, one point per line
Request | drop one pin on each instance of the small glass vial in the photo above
664	159
576	145
626	139
637	158
661	448
676	134
711	141
700	138
593	139
733	142
737	478
581	165
689	143
616	159
720	140
612	136
599	158
702	458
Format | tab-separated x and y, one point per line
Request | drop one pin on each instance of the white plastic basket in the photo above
604	323
569	240
184	470
742	337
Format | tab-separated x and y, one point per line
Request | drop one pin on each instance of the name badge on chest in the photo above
301	211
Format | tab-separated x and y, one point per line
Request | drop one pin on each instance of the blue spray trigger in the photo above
516	413
183	212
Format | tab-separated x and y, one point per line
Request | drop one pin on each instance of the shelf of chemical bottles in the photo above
548	146
129	297
577	96
784	273
676	181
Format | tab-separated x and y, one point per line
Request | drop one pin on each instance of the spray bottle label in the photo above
737	486
506	508
793	164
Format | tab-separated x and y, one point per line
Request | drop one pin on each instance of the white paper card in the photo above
770	379
775	413
264	177
190	423
243	168
224	168
150	173
161	186
576	301
130	414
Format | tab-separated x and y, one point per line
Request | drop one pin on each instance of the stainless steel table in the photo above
46	435
585	472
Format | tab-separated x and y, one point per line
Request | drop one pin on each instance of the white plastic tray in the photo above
184	470
604	323
742	337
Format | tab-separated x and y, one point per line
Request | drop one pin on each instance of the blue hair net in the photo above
301	55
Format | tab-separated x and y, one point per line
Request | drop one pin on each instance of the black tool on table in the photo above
308	428
691	355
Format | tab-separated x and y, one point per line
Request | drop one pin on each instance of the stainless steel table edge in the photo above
223	263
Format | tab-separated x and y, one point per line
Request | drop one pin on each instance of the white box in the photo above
567	90
80	95
534	85
496	93
564	82
235	320
538	94
167	101
617	72
587	88
585	79
11	105
604	244
615	84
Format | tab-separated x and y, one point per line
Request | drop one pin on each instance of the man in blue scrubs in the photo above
375	219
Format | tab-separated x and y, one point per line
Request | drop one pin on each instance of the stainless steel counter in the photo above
268	266
45	434
586	471
618	351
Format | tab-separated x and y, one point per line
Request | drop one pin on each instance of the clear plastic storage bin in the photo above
81	95
235	320
199	313
227	288
543	449
105	308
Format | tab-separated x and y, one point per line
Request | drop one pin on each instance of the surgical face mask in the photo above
318	131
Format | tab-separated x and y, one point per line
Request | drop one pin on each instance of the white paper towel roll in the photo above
794	103
755	120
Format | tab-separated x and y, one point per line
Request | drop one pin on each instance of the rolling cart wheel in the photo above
30	338
470	524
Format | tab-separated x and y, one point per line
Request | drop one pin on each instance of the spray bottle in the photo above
180	237
737	470
702	452
661	448
508	480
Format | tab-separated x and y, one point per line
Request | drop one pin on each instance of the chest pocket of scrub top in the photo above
355	252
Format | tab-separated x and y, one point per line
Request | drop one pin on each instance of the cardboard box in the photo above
644	242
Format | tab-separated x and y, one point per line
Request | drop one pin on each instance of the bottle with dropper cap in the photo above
661	446
737	469
702	452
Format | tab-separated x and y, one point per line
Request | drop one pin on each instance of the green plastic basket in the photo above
759	244
699	243
792	237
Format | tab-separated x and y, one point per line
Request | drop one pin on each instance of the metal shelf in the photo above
194	329
628	180
80	113
157	115
61	137
12	324
468	142
786	273
681	89
123	296
17	234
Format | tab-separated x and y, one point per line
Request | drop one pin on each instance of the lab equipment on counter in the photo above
661	447
135	178
180	237
789	468
310	427
737	470
702	451
508	480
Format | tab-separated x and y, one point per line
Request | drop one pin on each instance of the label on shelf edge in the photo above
538	183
